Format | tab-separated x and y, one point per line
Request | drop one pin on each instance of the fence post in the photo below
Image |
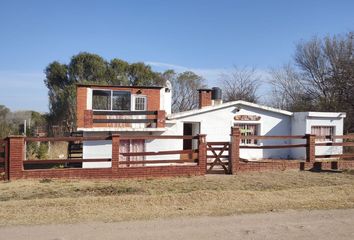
6	156
234	150
88	119
202	153
310	149
115	151
161	119
16	155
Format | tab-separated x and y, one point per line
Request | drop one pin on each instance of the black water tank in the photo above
216	93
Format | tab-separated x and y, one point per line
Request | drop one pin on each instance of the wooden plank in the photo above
348	136
349	144
275	146
158	153
217	143
217	148
63	161
340	156
148	137
66	139
274	137
158	161
123	120
124	113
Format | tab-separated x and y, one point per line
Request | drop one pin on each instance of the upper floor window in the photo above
248	130
110	100
325	132
121	100
101	100
140	103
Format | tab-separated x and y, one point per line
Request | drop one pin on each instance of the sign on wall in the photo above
247	118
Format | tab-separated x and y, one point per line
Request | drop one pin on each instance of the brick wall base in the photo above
109	173
281	165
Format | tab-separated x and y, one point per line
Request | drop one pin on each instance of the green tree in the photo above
61	80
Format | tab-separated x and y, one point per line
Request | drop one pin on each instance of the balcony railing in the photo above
124	119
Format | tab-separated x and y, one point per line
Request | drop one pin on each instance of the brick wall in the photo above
17	156
204	98
152	94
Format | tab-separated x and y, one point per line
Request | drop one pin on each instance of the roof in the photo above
225	105
325	114
116	86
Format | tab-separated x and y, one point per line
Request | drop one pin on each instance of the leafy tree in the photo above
61	80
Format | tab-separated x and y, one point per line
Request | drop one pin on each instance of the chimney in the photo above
216	96
204	98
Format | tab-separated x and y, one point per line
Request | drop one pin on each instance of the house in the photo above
137	110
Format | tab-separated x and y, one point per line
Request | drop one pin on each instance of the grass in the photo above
59	201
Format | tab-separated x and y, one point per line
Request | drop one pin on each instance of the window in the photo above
121	100
140	103
248	130
110	100
326	132
101	100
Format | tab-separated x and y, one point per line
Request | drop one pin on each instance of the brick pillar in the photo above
115	151
6	158
16	156
202	153
234	150
161	119
88	119
310	149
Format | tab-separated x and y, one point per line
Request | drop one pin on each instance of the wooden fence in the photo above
181	163
193	161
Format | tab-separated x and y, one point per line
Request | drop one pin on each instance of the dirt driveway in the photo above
322	224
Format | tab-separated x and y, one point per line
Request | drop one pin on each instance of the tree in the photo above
324	70
61	80
240	84
184	89
288	92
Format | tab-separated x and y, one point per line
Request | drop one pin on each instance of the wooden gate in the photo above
218	157
3	159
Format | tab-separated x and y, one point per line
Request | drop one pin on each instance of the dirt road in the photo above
324	224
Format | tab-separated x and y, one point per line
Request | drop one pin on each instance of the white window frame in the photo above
134	97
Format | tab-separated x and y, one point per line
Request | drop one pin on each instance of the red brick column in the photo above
16	156
310	149
88	119
161	119
115	152
234	150
202	153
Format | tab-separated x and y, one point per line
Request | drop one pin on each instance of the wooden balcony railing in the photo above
125	119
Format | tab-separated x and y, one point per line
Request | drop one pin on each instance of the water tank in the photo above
216	93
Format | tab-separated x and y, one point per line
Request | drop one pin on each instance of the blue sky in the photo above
208	37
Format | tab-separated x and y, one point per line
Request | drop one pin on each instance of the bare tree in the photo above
184	89
240	84
287	89
322	78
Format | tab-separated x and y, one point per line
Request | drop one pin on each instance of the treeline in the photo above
320	77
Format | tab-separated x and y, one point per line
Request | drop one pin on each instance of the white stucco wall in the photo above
217	126
302	124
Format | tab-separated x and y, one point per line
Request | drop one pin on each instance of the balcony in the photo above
124	120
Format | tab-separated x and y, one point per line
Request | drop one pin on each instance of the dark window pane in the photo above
121	100
101	100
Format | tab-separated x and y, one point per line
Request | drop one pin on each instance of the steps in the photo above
75	150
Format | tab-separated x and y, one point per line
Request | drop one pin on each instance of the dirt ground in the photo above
317	224
76	201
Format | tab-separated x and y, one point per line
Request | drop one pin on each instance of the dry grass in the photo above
58	201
